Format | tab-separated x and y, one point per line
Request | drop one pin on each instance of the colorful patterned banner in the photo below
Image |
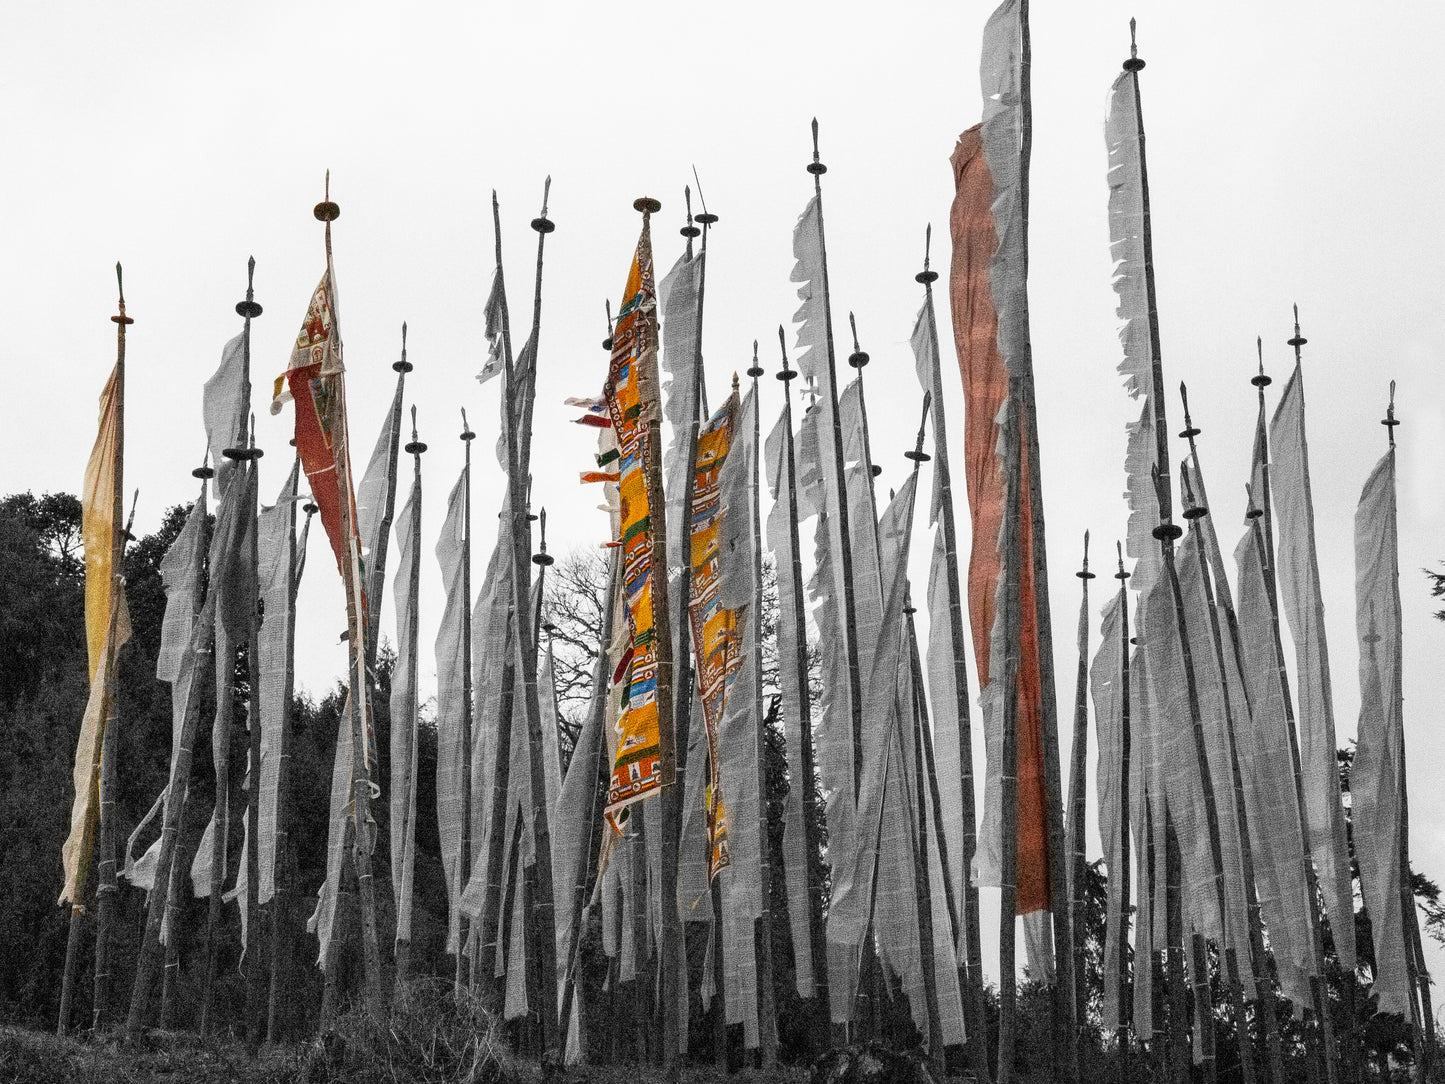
714	627
631	393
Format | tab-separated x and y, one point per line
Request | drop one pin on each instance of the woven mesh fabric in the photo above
375	500
224	407
404	718
947	743
1106	684
1272	807
452	710
1180	769
1377	781
741	734
1302	602
275	528
1209	682
791	682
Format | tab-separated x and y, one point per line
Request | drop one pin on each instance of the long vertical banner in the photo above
714	626
637	769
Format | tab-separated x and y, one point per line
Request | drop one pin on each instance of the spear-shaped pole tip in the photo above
918	455
1084	573
755	370
1390	421
1259	380
1298	340
859	357
467	433
926	276
1133	64
120	283
1121	575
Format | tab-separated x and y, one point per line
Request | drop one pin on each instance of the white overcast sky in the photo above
1294	155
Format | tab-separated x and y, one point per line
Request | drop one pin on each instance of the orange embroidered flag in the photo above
631	394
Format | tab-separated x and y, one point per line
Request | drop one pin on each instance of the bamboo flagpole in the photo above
107	622
971	964
1078	797
360	708
404	717
1264	541
809	778
1266	1013
282	983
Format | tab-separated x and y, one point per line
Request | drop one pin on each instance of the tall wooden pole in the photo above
105	889
328	212
519	425
811	813
1126	1004
1078	862
248	309
468	932
1264	540
971	965
282	983
1259	960
767	1004
850	612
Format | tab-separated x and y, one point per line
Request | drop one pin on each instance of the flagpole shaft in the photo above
1126	1006
1264	541
767	1015
462	978
1078	801
105	867
971	979
811	813
283	872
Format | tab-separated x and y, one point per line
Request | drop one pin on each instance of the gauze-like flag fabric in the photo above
740	736
375	502
820	494
1109	687
181	577
988	293
404	717
1272	808
714	626
632	399
452	710
107	628
1301	600
225	407
496	360
1212	693
794	706
1377	780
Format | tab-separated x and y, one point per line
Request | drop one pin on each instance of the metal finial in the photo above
1189	432
1133	64
402	366
785	374
816	167
205	470
607	342
1390	421
735	381
542	224
918	455
416	447
1084	573
1260	381
1166	531
756	370
1121	575
859	357
542	558
467	433
704	217
1298	340
120	317
326	211
688	230
248	308
647	205
927	277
